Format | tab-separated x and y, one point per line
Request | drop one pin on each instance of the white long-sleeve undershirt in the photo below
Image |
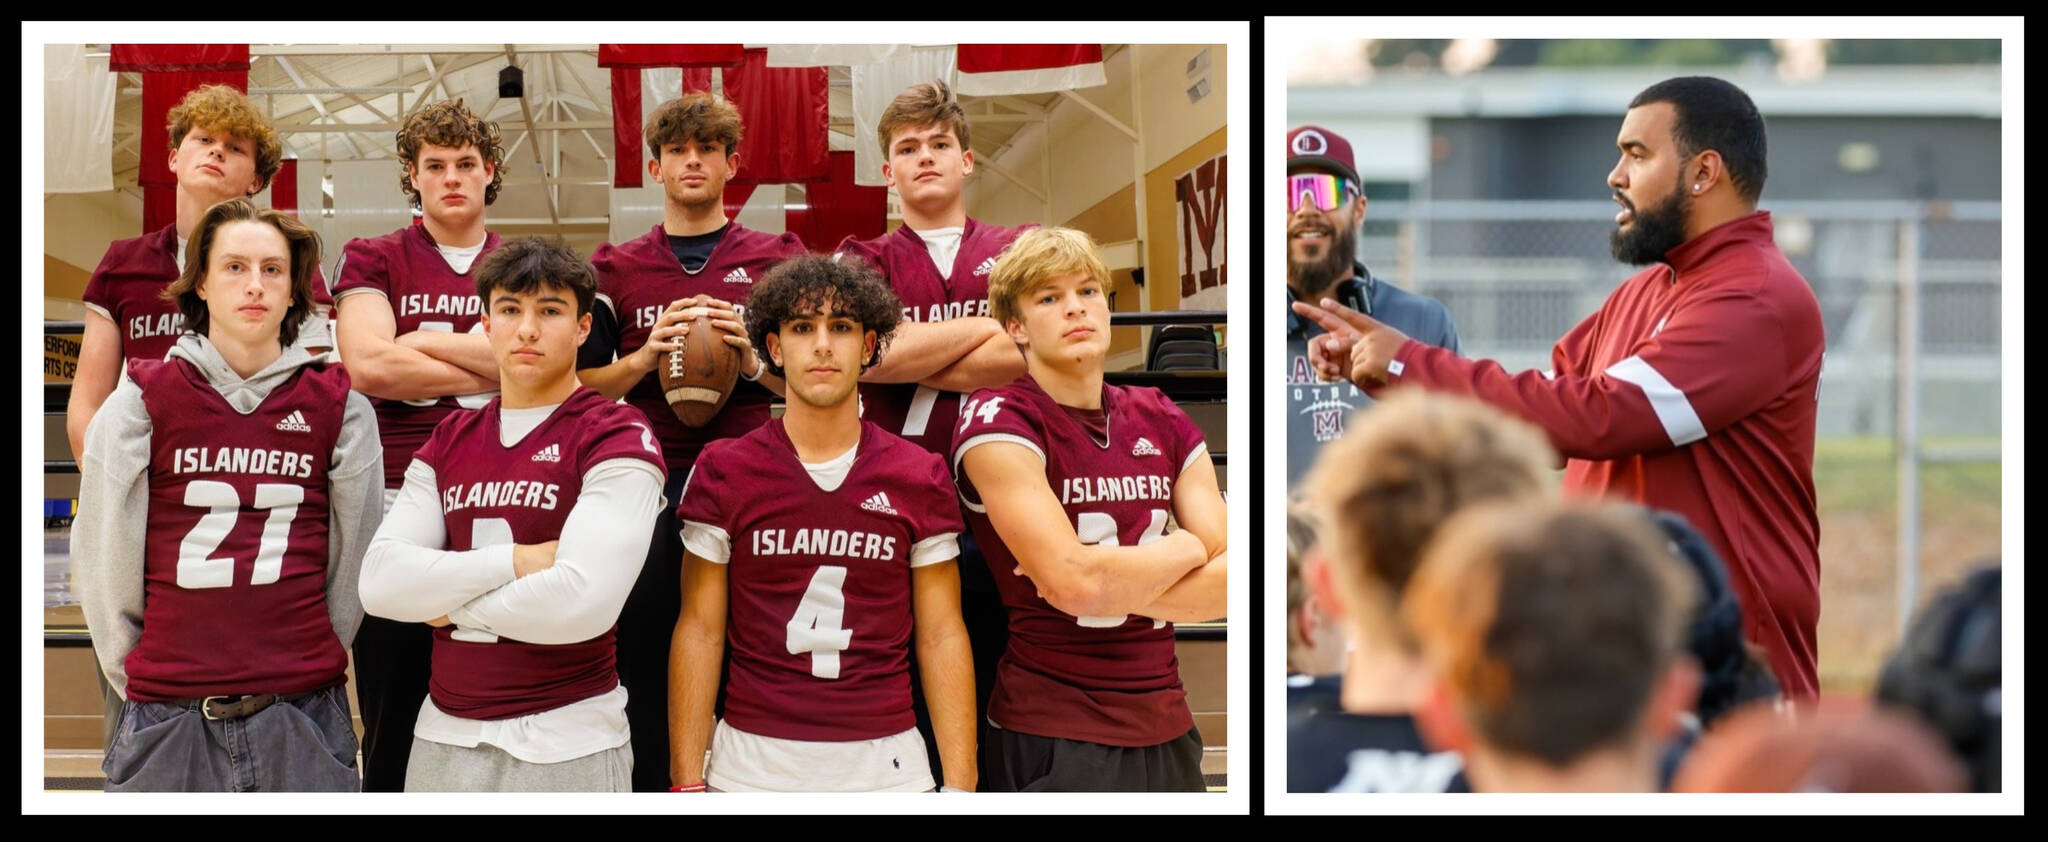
408	577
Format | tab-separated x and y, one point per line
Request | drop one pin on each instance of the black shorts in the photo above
1020	762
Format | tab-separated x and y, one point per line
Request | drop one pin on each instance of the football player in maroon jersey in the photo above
221	148
816	544
938	262
227	493
408	324
649	288
517	535
1069	484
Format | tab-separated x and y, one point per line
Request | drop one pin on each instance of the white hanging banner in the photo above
826	55
78	121
874	85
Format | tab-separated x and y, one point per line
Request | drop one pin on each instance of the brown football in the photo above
697	379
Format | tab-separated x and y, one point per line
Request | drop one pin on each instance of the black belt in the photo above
239	706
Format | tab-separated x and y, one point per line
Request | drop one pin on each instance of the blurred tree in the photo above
1586	52
1693	52
1414	52
1921	51
1615	52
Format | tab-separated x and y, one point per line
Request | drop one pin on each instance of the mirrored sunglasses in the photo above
1324	190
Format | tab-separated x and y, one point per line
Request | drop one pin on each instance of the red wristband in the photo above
696	787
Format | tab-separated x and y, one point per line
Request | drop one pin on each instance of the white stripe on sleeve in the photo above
1670	404
944	546
960	453
710	543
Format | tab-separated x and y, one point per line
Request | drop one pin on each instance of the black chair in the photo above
1183	348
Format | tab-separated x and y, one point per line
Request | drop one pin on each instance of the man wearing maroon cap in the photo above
1325	204
1693	388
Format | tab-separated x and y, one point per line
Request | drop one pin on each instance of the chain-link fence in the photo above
1909	500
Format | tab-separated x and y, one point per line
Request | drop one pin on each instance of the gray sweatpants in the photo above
439	767
306	745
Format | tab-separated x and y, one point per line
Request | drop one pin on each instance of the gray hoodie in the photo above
108	535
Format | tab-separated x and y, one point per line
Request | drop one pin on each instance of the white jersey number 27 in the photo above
818	627
1098	528
224	506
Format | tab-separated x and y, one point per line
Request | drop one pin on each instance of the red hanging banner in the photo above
1001	69
786	111
169	71
284	189
998	58
626	127
837	208
626	61
146	58
668	55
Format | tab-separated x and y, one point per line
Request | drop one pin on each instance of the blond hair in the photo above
1034	260
1381	491
221	108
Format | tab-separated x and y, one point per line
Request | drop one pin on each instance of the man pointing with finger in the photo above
1693	387
1325	205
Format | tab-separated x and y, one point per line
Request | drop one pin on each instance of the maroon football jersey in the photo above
235	559
641	276
1111	680
924	415
819	616
406	267
126	285
521	494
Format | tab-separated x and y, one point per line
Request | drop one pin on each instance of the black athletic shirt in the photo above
597	351
1329	750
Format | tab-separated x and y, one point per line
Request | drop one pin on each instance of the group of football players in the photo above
952	564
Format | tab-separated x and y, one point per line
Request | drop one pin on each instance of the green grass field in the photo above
1857	482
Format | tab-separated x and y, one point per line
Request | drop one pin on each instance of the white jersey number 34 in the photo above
1100	528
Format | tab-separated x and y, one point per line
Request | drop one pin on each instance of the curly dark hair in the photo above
800	287
447	123
528	263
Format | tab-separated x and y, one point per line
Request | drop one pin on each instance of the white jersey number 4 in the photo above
224	506
1098	528
818	627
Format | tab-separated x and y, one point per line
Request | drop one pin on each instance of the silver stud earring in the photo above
1695	188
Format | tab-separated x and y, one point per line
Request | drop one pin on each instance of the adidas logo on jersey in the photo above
738	276
1144	448
879	503
551	453
295	423
986	267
